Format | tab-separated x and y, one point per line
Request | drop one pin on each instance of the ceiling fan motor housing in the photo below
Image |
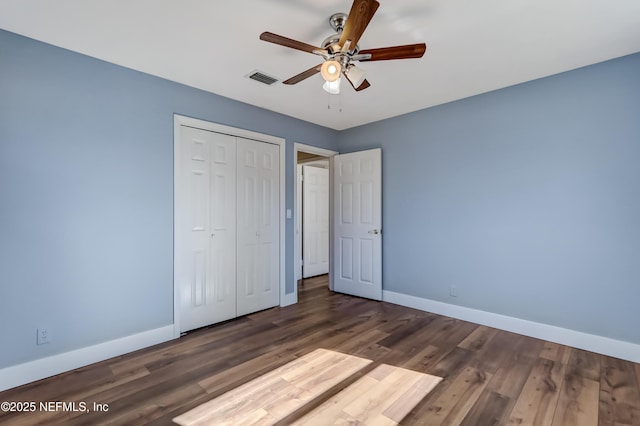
337	21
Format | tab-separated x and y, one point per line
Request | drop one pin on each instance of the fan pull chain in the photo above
339	101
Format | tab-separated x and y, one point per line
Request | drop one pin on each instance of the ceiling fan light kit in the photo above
340	50
330	70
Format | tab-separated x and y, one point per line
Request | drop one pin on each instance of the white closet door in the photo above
316	221
258	256
207	226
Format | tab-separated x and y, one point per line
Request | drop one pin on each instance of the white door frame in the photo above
180	120
324	153
298	221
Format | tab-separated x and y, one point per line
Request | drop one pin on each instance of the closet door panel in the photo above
223	220
258	229
206	224
270	224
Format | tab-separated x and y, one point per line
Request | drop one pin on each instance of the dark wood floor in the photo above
491	377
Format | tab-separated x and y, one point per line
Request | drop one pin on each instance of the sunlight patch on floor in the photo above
383	396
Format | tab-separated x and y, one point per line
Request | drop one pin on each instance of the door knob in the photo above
374	232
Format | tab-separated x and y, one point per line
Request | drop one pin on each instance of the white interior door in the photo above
258	226
207	274
358	224
315	221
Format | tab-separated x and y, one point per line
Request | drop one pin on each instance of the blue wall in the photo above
527	199
86	194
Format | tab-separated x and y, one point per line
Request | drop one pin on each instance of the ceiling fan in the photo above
341	50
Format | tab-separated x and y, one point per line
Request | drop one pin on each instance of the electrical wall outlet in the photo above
43	336
453	291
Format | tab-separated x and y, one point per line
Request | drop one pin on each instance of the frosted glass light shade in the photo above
355	76
332	87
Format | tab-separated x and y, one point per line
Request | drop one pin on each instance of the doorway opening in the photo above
312	220
313	216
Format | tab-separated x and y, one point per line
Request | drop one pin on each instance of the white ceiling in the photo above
472	46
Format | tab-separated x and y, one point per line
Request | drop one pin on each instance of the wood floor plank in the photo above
537	402
515	367
424	359
478	339
507	349
372	403
619	393
491	409
334	407
578	403
555	352
452	363
584	364
190	343
156	384
454	403
402	405
410	329
238	374
580	392
362	340
62	385
510	369
149	410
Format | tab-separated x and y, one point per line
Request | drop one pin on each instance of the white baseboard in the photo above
31	371
590	342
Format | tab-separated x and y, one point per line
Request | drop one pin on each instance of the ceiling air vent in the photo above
261	77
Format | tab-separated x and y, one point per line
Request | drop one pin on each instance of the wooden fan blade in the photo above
288	42
362	86
303	75
396	52
359	17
